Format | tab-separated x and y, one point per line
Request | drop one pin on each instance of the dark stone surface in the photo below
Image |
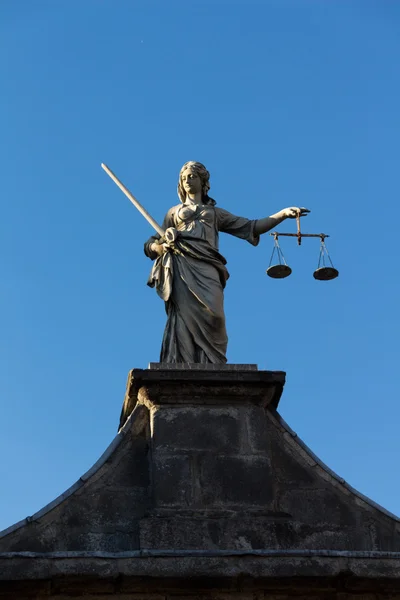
236	481
316	506
172	481
190	533
187	429
199	577
205	464
257	429
202	386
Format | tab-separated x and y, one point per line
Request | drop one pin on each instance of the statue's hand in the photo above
159	249
171	235
293	211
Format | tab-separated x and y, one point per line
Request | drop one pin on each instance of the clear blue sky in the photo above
287	102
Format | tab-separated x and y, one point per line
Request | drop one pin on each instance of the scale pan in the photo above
279	271
326	273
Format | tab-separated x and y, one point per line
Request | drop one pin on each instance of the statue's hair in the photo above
204	175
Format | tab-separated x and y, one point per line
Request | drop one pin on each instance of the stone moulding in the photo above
230	572
226	385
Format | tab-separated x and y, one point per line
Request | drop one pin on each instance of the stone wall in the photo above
96	591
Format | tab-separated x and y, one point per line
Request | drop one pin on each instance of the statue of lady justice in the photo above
189	273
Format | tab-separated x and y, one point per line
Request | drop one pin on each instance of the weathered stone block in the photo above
187	428
383	535
244	480
188	533
256	426
316	506
132	470
172	481
294	534
184	533
289	470
105	507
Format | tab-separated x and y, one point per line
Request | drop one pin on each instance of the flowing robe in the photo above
191	279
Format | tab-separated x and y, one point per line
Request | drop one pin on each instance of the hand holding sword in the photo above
166	242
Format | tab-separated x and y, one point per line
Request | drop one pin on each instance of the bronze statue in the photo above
189	273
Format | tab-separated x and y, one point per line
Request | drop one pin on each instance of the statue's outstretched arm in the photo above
268	223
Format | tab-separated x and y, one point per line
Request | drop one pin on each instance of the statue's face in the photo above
191	182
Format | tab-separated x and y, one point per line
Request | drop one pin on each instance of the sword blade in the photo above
135	202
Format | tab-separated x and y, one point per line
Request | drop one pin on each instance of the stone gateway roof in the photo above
204	483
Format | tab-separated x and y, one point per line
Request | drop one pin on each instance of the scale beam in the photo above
299	235
281	270
318	235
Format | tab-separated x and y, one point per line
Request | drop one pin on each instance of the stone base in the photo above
205	494
202	384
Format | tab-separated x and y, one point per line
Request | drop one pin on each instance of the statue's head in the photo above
198	169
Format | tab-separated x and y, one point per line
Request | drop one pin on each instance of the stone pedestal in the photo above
211	469
205	493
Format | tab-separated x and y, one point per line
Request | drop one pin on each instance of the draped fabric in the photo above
191	277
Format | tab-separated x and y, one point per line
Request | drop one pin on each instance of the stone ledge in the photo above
201	386
255	565
201	367
206	375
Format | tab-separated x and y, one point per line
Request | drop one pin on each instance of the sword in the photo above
135	202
